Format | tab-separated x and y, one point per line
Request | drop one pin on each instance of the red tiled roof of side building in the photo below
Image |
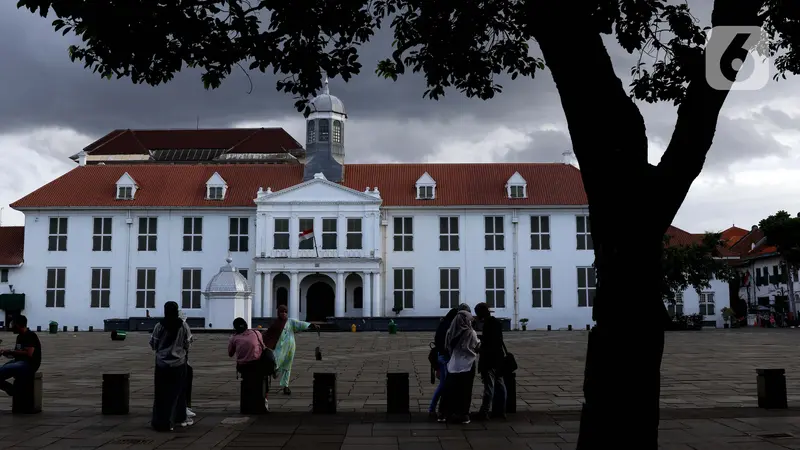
237	140
681	237
733	234
12	245
161	185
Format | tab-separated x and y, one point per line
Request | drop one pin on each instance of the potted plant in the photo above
524	323
727	316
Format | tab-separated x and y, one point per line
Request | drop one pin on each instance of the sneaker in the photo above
465	420
266	404
187	423
441	418
190	413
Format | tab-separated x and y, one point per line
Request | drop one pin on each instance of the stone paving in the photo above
708	394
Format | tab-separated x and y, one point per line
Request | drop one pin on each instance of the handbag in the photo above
509	361
433	355
267	359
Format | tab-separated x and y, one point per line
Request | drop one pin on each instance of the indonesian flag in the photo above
746	279
307	234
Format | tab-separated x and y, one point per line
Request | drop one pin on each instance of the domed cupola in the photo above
325	137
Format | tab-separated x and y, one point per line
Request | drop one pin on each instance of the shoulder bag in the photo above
509	361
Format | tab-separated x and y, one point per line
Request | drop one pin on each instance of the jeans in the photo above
437	394
169	399
494	392
13	369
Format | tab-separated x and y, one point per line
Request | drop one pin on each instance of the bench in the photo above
27	397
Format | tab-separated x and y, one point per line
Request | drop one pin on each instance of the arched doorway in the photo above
320	302
282	297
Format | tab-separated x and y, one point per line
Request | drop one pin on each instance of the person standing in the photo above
27	355
247	346
490	365
170	340
189	376
462	344
280	338
442	355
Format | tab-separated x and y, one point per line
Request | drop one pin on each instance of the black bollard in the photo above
549	328
91	328
65	328
324	395
588	327
75	329
38	328
511	392
771	385
252	391
27	397
116	393
569	327
397	393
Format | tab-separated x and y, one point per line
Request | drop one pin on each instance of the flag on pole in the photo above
306	234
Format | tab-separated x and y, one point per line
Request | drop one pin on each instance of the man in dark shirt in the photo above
490	364
27	355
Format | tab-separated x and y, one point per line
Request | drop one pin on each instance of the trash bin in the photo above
118	335
392	327
53	327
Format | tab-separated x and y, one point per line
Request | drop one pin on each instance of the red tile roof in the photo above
733	234
236	140
162	185
12	244
753	245
681	237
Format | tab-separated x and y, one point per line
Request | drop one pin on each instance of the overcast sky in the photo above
50	108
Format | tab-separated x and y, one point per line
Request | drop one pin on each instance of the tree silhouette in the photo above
694	264
464	45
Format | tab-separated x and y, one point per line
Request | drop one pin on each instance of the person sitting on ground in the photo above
247	345
462	345
27	355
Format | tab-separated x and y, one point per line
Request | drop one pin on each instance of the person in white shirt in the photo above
462	344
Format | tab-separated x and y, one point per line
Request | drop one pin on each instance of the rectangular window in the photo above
125	193
329	235
101	288
215	193
192	234
494	234
425	192
191	291
542	287
584	233
404	288
675	308
239	237
517	191
56	288
540	232
146	288
3	275
448	234
449	296
403	234
496	287
707	304
587	280
148	234
101	234
280	237
306	225
354	234
57	238
244	273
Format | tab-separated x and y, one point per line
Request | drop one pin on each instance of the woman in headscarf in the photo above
461	342
443	357
279	338
247	345
170	340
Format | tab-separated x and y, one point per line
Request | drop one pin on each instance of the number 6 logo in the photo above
728	50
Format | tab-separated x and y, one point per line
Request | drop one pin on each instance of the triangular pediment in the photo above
426	180
216	180
126	180
319	190
516	180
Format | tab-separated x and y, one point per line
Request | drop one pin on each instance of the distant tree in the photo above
694	265
465	45
783	231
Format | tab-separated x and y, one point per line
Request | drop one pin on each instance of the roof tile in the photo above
12	245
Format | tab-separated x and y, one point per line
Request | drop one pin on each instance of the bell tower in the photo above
325	137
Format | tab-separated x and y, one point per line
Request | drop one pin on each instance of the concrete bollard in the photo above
510	380
27	397
397	393
771	385
116	393
324	393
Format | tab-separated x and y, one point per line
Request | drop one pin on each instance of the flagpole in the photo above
314	237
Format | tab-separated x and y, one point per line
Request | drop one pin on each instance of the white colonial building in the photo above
149	216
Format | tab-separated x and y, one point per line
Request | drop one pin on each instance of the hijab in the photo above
239	325
273	333
460	336
171	322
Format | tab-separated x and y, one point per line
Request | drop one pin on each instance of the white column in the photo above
367	293
266	296
294	296
377	298
339	308
257	292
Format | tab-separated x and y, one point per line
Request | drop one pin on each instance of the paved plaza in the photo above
708	395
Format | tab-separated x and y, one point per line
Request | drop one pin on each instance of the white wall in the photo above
770	290
721	290
13	279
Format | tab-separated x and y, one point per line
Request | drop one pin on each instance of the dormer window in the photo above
516	186
426	187
126	187
216	187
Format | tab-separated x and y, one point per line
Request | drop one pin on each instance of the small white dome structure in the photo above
228	296
327	103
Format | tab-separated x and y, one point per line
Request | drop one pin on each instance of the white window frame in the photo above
4	276
676	308
59	274
242	240
125	192
215	192
544	288
449	296
403	234
426	191
336	132
704	300
493	236
146	235
355	234
195	289
517	191
101	290
332	235
583	238
449	239
193	234
99	240
590	286
57	242
282	234
403	289
540	240
150	273
493	291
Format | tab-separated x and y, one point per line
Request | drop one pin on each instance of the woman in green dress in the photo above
279	337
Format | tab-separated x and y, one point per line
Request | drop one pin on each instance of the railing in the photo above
305	253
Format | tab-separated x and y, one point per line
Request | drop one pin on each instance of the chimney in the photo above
82	159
